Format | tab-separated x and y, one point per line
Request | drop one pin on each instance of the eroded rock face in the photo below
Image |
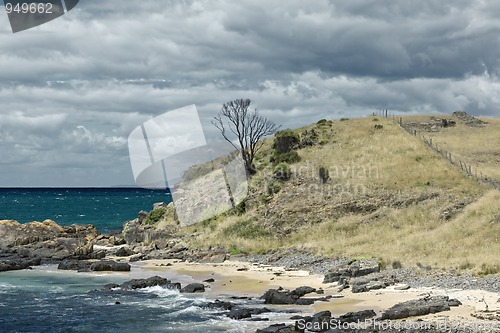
135	232
193	288
45	240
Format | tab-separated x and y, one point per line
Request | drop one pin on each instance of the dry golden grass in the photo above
399	215
477	146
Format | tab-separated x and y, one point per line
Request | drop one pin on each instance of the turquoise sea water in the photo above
106	208
45	299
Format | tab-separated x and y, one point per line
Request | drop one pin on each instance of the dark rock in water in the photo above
150	282
18	264
275	296
193	288
209	280
240	314
110	265
124	251
74	265
111	286
420	307
97	266
245	313
219	305
279	328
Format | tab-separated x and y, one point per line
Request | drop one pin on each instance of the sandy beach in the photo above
252	280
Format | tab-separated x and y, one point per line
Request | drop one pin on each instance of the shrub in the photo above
378	126
282	171
285	141
290	157
273	186
322	121
308	138
246	229
344	119
396	264
155	215
324	175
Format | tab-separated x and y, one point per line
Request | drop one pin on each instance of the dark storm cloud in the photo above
73	89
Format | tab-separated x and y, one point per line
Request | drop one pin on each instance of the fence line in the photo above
465	167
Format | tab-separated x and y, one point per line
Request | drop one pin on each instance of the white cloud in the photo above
73	89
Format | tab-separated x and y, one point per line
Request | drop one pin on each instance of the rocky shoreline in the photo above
82	248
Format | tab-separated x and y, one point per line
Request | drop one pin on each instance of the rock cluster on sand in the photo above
420	307
324	321
360	275
279	296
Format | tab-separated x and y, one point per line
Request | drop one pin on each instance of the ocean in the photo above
45	299
106	208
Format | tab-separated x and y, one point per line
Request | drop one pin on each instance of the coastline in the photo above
245	279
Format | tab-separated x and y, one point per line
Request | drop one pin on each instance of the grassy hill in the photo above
387	195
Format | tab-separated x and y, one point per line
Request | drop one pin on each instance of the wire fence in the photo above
464	166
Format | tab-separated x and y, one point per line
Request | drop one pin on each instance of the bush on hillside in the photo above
285	141
155	215
282	171
290	157
324	174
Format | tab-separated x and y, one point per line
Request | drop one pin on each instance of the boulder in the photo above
74	265
18	264
279	328
420	307
110	265
219	305
149	282
274	296
240	314
193	288
124	251
359	316
357	268
245	313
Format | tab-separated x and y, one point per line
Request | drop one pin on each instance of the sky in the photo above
73	89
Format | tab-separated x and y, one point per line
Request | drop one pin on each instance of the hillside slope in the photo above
387	196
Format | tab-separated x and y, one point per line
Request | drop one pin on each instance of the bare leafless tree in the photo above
247	126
